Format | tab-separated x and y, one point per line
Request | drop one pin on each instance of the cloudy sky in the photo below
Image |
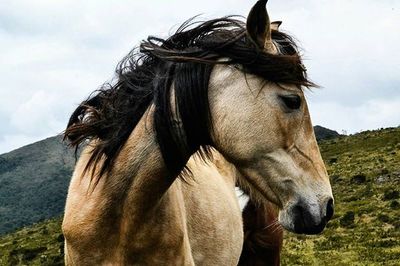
54	53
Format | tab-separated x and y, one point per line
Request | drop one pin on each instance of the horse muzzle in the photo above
305	218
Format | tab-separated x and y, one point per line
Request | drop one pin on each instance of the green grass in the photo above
40	244
365	176
365	230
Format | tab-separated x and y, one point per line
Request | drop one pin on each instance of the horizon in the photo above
59	52
340	133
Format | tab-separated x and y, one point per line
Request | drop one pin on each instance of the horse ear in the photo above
258	25
275	25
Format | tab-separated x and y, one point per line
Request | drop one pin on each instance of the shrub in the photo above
359	179
333	160
394	204
391	194
383	218
348	219
385	171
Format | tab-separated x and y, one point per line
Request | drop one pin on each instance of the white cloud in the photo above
10	142
373	114
54	53
37	115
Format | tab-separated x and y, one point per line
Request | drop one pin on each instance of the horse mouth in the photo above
263	194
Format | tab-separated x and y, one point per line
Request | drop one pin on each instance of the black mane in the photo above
185	60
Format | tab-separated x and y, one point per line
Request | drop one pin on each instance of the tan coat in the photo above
136	218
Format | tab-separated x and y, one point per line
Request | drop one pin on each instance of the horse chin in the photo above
285	221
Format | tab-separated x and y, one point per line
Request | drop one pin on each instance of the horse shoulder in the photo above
215	230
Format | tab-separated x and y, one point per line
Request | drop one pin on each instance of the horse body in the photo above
136	217
228	92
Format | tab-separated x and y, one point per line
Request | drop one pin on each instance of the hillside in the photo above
33	183
365	230
322	133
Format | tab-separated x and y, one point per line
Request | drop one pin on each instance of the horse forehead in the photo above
226	75
289	88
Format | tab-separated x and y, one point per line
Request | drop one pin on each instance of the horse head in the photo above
264	128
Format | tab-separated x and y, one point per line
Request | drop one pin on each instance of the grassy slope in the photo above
40	244
365	172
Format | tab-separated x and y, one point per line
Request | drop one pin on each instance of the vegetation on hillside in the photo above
365	175
322	133
33	183
41	244
365	230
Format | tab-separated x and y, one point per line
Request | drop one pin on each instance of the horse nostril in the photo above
329	210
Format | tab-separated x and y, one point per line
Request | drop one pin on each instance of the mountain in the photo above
322	133
33	183
365	229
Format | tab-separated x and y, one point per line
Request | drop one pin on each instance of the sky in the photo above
55	53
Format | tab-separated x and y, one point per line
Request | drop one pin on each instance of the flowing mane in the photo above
182	63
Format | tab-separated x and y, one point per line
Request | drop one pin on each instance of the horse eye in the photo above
292	102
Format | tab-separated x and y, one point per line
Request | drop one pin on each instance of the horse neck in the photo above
134	199
139	171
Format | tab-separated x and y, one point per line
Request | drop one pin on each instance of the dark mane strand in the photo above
182	63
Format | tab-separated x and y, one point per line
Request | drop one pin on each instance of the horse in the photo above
219	103
263	236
